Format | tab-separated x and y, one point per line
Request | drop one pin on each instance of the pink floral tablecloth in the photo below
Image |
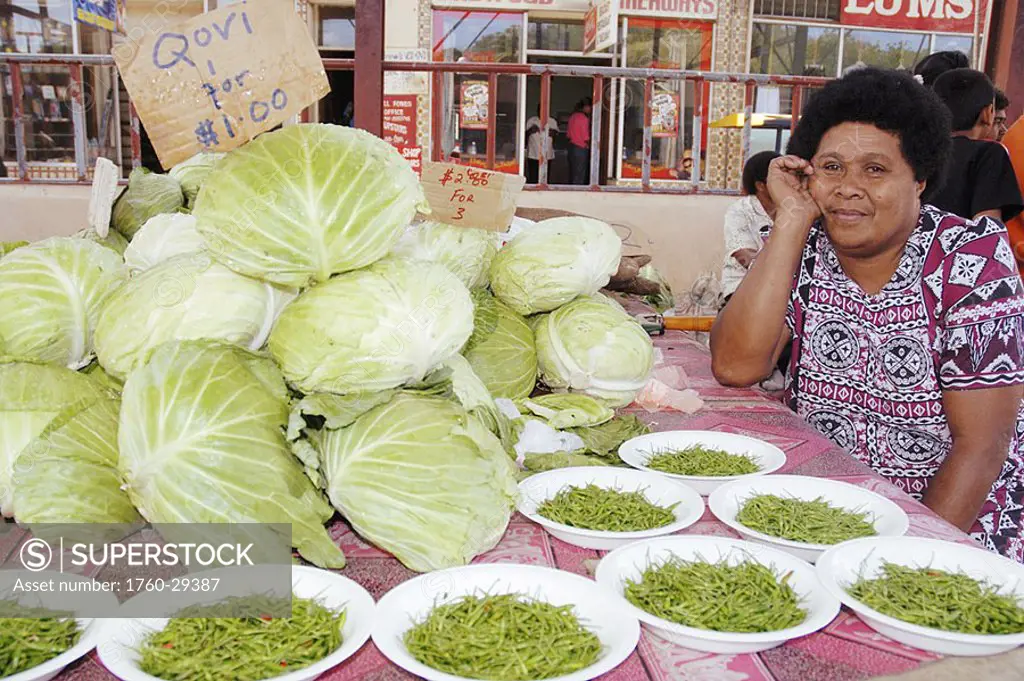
847	650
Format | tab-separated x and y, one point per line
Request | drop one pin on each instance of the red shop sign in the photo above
400	120
414	155
956	16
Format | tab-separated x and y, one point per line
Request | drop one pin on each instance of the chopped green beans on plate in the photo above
28	638
609	510
810	522
698	460
950	601
243	649
740	598
506	637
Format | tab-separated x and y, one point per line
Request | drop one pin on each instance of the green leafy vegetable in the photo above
6	247
465	252
742	598
28	638
422	479
202	440
812	522
506	638
68	474
188	297
591	347
243	649
553	262
53	292
703	461
567	410
663	299
609	510
950	601
300	204
378	328
148	194
538	463
114	240
163	237
191	174
605	439
501	349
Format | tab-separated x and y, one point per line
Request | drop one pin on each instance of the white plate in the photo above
629	563
122	638
842	565
657	489
638	451
91	628
411	602
725	502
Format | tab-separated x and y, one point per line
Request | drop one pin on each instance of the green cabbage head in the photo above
114	240
32	396
185	298
501	350
555	261
162	238
420	478
148	194
192	173
373	329
53	292
68	474
202	440
300	204
591	347
465	251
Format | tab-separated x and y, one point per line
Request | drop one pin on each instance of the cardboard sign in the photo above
473	197
400	120
214	82
916	15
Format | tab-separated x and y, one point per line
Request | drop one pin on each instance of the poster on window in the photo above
105	14
400	120
475	98
665	114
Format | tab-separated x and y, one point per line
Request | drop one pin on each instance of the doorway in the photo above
337	105
566	92
336	38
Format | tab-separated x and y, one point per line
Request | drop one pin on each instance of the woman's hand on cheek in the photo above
788	180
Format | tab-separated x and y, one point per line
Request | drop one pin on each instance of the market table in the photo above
846	650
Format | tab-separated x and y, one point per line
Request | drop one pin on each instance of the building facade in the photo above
821	38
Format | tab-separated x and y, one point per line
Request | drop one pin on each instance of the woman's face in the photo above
866	190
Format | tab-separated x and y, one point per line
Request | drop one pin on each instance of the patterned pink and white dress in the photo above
869	371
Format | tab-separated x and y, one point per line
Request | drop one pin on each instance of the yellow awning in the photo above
757	120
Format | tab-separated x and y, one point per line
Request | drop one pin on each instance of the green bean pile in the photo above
598	508
243	649
744	598
703	461
810	522
27	639
940	600
503	638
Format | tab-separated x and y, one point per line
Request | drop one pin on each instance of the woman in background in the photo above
747	222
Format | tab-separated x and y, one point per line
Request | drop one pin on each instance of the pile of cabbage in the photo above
277	335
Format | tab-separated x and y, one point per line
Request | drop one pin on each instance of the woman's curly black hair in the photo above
889	100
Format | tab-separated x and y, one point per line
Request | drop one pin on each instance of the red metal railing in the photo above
700	81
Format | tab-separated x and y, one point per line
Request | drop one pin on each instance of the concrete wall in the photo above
682	233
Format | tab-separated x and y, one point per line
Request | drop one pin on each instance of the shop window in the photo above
555	35
953	43
794	50
884	49
798	9
652	43
479	37
36	26
336	27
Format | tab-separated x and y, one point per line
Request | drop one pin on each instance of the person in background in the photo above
980	181
538	142
934	65
579	142
905	320
748	222
1002	104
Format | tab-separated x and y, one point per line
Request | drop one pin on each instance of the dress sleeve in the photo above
982	312
737	230
996	187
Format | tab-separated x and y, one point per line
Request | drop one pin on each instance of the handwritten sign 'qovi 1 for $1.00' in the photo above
216	81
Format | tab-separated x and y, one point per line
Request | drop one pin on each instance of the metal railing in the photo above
600	76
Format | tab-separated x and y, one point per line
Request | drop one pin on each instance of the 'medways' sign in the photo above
956	16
